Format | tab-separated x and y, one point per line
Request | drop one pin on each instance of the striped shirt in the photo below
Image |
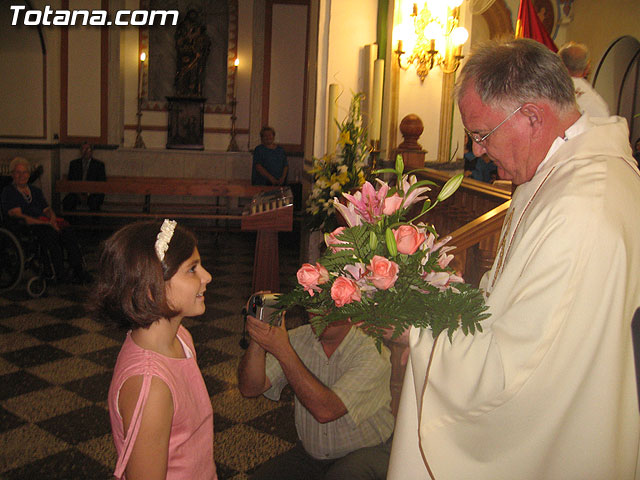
358	374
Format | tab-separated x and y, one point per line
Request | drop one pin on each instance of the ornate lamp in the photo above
438	40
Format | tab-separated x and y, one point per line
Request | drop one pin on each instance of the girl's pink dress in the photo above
191	442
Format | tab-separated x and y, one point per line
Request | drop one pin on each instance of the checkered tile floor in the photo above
56	365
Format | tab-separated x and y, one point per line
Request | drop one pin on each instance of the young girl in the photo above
150	278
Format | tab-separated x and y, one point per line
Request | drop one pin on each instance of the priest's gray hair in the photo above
511	74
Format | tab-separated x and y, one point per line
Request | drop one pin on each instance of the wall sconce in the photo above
139	142
438	40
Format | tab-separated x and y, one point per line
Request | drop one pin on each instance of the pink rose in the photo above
310	276
332	242
408	239
344	290
384	272
392	204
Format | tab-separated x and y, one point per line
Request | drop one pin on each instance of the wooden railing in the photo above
473	216
476	243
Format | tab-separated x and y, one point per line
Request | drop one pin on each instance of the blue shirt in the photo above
272	159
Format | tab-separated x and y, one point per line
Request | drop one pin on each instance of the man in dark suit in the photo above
85	168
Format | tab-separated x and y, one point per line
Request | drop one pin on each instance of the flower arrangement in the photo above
342	171
387	273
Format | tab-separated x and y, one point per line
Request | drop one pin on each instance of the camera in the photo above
262	307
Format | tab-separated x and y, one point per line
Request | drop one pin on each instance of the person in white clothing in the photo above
575	57
547	390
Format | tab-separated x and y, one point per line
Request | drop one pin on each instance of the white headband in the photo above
164	237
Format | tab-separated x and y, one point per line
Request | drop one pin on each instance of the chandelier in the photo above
435	38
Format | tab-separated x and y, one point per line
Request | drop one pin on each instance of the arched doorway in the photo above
617	79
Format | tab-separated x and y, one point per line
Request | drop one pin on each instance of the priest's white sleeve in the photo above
406	461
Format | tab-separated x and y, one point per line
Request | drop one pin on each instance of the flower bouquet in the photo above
342	171
387	273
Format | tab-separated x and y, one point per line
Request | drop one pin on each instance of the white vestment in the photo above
547	390
589	101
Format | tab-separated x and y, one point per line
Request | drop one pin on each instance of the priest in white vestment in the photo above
547	391
575	57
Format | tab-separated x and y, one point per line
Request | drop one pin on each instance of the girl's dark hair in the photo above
130	285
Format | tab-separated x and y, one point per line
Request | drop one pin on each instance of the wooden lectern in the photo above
268	214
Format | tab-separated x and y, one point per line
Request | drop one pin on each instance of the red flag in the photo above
530	26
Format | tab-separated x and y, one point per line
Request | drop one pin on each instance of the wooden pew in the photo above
153	197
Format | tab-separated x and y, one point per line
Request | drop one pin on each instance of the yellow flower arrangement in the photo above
338	172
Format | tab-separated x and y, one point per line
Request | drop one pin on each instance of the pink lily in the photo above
441	243
442	280
368	203
416	194
348	212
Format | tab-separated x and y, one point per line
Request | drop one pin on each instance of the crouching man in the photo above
342	399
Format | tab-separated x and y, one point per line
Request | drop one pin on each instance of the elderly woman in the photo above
26	203
270	166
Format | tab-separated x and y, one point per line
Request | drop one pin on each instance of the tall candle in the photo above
332	128
236	63
370	55
143	57
378	77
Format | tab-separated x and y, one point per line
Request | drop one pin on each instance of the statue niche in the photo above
186	107
192	50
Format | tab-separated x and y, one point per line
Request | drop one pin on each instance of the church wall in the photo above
345	28
102	107
597	24
424	98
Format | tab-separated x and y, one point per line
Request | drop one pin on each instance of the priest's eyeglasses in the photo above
479	139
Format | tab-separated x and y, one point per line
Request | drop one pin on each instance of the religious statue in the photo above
192	50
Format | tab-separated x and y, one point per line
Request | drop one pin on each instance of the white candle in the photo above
143	57
236	63
332	128
370	53
378	77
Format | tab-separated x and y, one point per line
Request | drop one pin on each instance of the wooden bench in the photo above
158	197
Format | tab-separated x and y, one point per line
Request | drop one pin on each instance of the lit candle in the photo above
332	128
378	77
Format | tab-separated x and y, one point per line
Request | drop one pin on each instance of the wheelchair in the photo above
21	252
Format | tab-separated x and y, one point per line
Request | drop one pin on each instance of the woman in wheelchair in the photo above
25	204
